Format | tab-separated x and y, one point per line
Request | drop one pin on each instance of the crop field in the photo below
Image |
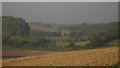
22	53
93	57
46	29
81	43
62	44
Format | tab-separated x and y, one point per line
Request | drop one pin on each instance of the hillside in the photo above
93	57
35	27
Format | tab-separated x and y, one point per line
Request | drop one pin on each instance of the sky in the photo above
63	12
60	0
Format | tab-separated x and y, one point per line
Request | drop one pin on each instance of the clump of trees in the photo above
15	27
98	34
16	33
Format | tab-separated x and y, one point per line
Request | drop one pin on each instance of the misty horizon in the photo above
63	13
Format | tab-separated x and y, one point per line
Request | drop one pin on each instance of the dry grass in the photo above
93	57
46	29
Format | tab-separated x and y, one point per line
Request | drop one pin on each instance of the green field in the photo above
58	38
62	42
83	43
114	43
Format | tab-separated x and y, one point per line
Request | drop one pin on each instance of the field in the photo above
114	42
23	53
46	29
93	57
57	38
81	43
63	41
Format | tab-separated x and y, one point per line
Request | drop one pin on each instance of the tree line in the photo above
16	33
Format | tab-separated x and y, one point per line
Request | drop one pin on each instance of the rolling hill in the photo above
45	28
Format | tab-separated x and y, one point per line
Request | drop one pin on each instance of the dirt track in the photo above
95	57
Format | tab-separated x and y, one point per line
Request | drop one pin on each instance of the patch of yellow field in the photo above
93	57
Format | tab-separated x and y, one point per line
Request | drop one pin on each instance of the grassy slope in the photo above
44	28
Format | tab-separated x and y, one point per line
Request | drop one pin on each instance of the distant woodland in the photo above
16	32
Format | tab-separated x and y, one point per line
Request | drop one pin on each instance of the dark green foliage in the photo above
44	34
100	40
96	42
15	27
39	42
72	34
98	34
55	34
114	66
92	29
16	34
71	44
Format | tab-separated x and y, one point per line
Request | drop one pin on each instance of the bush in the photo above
39	42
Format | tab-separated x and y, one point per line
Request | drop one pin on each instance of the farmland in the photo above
59	34
93	57
44	28
7	54
69	45
114	42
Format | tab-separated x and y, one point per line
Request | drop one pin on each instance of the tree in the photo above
15	26
13	30
72	34
59	31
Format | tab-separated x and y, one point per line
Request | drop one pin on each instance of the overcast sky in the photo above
71	12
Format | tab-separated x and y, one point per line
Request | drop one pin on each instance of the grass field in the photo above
57	38
62	44
114	42
63	41
81	43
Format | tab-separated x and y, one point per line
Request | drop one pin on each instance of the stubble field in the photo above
93	57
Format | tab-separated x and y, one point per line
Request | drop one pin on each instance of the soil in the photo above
24	53
93	57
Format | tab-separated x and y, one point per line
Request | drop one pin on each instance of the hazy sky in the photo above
61	12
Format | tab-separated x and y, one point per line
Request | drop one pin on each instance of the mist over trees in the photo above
17	33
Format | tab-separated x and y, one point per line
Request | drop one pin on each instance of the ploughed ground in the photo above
93	57
24	53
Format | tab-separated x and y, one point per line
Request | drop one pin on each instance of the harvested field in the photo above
24	53
46	29
93	57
